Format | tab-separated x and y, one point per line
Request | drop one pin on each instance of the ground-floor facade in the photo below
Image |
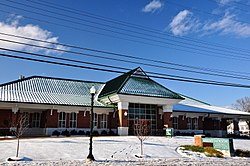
121	121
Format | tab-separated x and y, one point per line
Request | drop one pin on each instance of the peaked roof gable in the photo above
115	84
136	82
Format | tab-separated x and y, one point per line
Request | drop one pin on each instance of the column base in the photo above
123	131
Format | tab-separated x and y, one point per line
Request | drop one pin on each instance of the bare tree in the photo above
242	104
142	131
21	124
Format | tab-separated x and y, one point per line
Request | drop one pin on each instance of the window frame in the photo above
36	120
175	122
60	121
189	123
103	121
73	121
196	123
95	120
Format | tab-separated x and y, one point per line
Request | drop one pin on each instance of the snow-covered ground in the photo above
105	149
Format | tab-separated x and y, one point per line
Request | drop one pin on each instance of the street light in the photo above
90	156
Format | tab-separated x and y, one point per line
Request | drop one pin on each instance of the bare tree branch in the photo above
242	104
20	125
142	131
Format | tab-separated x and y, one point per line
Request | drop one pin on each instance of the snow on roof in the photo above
207	109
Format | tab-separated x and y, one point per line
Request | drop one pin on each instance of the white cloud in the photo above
11	26
153	6
225	2
183	23
228	25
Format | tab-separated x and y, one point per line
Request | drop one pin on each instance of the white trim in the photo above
6	105
122	105
140	99
67	111
167	108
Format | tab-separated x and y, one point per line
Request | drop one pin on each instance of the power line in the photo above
127	61
131	25
231	56
115	71
127	30
109	53
98	64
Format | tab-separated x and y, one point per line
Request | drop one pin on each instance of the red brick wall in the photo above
83	121
113	120
5	118
200	123
182	122
52	120
43	119
167	119
160	123
208	124
67	120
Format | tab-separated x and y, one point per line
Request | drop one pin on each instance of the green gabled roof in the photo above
47	90
136	82
115	84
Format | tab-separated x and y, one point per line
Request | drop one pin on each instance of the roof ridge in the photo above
47	77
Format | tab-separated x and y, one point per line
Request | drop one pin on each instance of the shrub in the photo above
193	148
81	132
242	153
211	152
112	133
104	132
73	132
95	133
66	133
87	133
56	133
177	133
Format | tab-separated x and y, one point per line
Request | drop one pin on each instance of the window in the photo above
62	120
103	121
72	120
175	122
145	112
95	121
189	123
196	123
36	120
25	116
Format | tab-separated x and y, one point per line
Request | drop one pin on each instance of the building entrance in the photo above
145	112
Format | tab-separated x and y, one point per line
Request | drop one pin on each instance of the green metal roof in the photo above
146	87
114	85
136	82
46	90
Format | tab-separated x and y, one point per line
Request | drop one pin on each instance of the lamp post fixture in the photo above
90	157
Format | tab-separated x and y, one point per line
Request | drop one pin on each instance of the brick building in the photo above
57	104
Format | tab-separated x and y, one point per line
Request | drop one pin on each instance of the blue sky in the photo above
224	23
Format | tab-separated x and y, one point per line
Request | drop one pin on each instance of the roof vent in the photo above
21	77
